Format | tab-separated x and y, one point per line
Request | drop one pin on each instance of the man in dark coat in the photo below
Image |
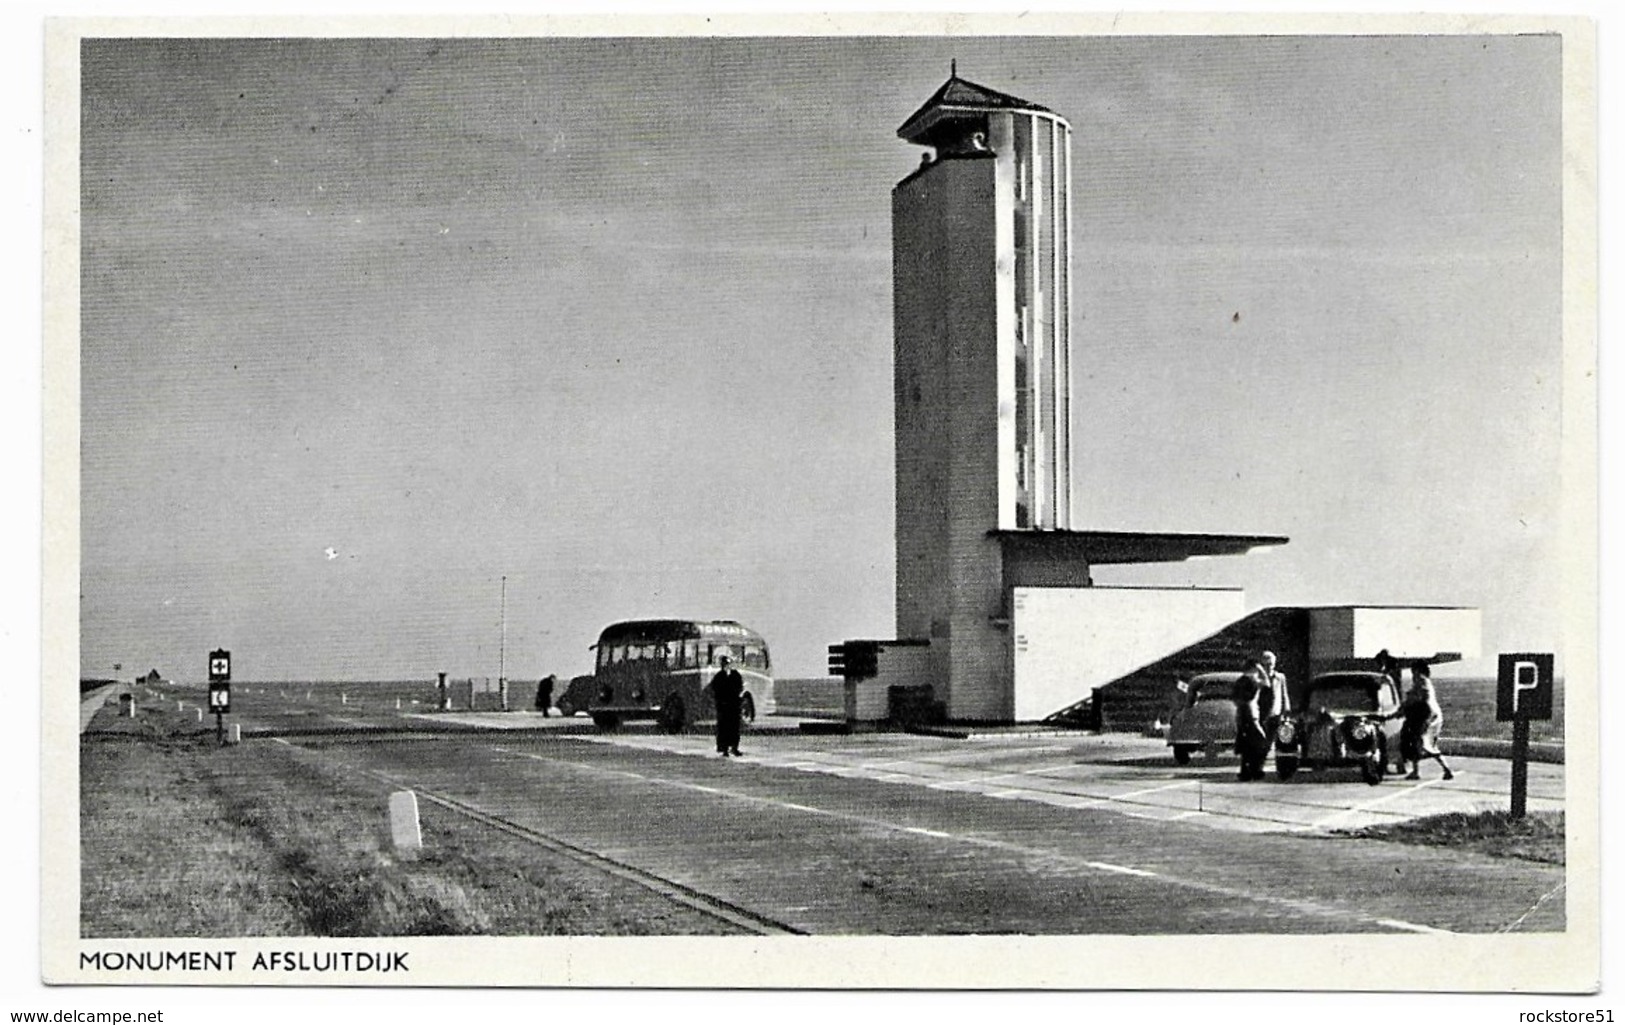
1251	743
544	694
727	693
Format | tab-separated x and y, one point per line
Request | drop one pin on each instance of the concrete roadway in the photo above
91	702
899	834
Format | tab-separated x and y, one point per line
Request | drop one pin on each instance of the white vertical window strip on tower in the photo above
1063	327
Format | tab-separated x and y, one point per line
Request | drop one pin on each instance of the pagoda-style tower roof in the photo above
957	109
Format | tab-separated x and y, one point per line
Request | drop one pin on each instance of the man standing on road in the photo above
544	694
1273	700
727	693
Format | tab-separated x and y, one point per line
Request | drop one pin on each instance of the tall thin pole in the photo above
502	651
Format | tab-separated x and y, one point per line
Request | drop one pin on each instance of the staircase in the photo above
1134	701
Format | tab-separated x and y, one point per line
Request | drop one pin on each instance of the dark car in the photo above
577	696
1206	717
1343	720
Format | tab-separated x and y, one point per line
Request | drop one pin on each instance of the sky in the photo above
405	356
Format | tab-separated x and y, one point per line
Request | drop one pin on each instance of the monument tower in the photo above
982	392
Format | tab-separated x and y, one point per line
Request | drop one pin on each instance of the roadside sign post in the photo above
220	690
1523	692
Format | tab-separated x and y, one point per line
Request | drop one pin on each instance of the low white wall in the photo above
1068	640
1361	631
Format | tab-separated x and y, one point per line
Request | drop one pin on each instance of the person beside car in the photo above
1273	701
1423	718
1252	743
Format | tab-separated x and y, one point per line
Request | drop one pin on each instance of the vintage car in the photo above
1204	718
577	696
1342	720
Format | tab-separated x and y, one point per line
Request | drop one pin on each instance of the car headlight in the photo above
1360	731
606	693
1286	732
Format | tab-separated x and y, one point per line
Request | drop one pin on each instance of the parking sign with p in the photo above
1524	688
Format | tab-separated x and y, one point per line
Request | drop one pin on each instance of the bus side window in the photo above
691	653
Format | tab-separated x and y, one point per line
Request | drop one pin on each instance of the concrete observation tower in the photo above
997	612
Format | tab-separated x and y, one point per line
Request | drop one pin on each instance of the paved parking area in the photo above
1132	776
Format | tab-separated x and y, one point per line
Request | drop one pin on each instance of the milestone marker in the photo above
403	821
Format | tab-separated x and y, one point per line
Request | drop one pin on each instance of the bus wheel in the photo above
606	720
674	716
747	709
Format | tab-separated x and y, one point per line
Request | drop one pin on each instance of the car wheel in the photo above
606	720
565	708
1285	767
674	716
747	709
1182	755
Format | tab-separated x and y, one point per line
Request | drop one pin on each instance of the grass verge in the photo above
182	837
1537	836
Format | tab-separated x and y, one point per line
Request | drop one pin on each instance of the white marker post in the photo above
403	822
236	733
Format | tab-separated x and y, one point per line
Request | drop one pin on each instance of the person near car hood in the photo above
1423	718
1252	744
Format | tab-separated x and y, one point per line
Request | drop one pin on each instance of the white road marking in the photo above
1368	805
1395	923
1155	790
928	832
1105	866
1542	899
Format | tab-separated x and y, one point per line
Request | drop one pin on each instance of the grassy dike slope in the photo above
181	837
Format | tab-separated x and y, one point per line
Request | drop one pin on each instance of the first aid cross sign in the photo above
219	665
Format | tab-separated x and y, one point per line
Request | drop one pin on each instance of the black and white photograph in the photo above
982	503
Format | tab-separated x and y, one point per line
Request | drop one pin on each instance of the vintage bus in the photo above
659	668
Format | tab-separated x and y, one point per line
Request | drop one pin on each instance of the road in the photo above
1013	833
1005	832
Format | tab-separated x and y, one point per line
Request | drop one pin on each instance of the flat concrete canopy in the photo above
1112	547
